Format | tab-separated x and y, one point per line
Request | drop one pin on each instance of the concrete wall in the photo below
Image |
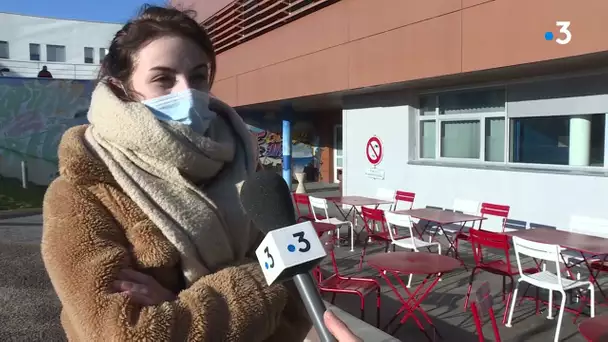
34	113
536	196
19	31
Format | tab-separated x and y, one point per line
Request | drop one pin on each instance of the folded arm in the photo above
84	250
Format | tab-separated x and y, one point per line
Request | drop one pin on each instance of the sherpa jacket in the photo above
92	230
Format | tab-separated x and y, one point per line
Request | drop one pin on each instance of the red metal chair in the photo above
371	219
480	305
303	200
337	283
495	241
404	196
492	212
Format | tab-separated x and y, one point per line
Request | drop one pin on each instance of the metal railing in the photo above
243	20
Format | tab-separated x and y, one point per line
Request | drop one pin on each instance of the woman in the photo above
144	235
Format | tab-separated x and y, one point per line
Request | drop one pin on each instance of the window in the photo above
102	54
559	140
88	55
4	49
55	53
34	52
452	125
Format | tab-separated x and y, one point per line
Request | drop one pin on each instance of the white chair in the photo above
468	207
386	194
321	203
546	279
588	226
394	221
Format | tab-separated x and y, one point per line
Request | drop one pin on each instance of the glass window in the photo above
102	54
55	53
481	101
495	139
559	140
4	53
34	52
460	139
427	139
88	55
428	105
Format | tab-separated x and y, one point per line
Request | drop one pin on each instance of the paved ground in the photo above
31	309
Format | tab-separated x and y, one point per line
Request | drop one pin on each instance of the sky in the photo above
114	11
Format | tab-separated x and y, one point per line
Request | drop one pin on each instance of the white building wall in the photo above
536	197
19	31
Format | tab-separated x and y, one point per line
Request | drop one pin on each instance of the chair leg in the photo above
550	308
513	300
362	255
362	307
333	297
560	316
409	282
338	236
509	299
592	295
471	278
352	237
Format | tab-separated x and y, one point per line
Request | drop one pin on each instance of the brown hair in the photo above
152	22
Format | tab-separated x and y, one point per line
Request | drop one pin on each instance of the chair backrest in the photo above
482	238
318	203
468	207
371	216
387	195
539	251
481	306
496	217
394	220
589	226
406	197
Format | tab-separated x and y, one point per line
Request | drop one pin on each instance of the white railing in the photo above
19	68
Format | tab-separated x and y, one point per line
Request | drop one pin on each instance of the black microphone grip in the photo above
314	305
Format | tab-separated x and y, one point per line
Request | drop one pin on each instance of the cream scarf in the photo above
188	184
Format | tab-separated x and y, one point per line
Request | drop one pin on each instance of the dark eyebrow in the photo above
173	71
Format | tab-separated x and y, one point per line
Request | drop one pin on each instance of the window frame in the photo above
65	52
39	52
8	49
482	116
92	58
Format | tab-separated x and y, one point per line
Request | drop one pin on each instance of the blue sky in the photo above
116	11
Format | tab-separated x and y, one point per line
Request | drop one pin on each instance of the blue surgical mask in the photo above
189	107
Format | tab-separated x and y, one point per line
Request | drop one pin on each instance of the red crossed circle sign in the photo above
374	150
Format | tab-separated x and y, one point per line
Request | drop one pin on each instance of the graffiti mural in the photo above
34	113
266	129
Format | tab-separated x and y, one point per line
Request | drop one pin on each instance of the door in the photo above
338	153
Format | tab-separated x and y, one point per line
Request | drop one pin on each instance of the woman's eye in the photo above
165	81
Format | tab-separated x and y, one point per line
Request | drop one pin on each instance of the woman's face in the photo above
168	65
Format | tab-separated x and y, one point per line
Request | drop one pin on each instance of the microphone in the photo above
289	249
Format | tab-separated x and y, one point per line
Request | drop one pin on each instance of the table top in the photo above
413	262
357	200
322	227
440	216
578	242
595	329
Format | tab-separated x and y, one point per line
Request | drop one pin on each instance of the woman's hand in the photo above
337	328
142	288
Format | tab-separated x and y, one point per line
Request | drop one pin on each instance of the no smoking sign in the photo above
374	150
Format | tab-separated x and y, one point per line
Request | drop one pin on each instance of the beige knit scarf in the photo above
187	183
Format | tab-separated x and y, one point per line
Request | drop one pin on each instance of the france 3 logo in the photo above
564	35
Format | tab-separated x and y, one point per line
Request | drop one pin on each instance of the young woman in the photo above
144	236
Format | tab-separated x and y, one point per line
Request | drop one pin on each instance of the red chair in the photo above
480	304
337	283
404	196
492	212
496	241
302	200
371	219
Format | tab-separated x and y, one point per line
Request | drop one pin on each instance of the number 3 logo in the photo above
301	239
564	25
269	256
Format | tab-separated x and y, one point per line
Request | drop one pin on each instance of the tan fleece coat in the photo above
92	230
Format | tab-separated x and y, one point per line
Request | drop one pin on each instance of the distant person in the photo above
44	73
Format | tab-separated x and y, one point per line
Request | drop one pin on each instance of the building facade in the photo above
70	49
502	101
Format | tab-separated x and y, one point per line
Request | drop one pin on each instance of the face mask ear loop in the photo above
124	90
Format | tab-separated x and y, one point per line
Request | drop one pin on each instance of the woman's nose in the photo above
181	84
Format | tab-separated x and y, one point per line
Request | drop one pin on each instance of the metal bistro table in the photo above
440	218
353	202
404	263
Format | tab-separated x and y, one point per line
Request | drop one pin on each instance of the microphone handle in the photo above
314	305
